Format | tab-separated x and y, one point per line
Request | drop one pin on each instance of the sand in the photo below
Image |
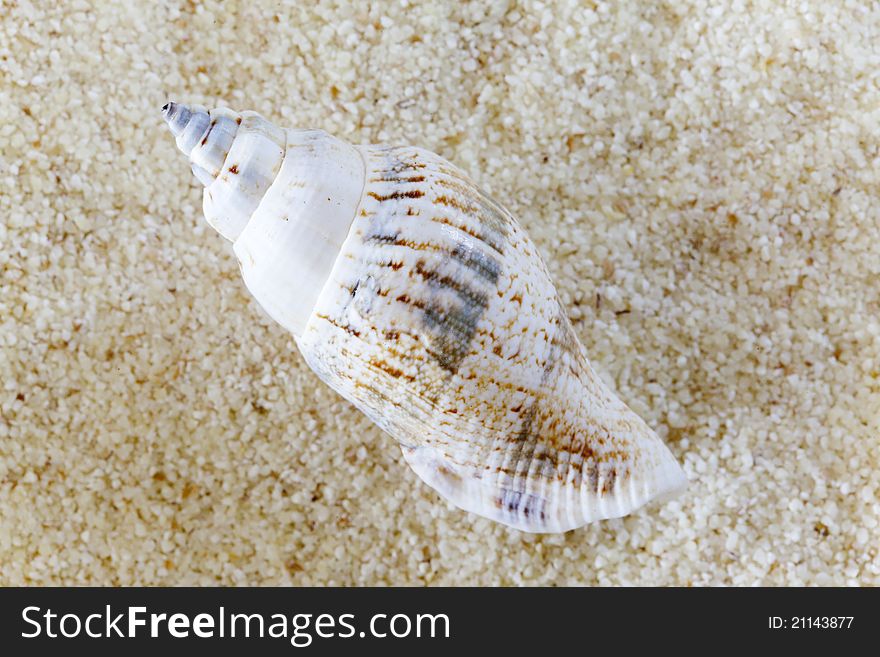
701	178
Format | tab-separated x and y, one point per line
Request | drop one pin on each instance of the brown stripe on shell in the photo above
393	196
389	369
208	133
344	327
398	178
452	202
451	326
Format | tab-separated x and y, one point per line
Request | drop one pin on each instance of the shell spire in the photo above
209	138
194	129
424	303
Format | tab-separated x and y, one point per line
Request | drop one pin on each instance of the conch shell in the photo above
423	302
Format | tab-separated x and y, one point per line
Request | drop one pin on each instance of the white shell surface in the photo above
292	240
440	322
252	164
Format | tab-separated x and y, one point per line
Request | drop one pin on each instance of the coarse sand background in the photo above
701	178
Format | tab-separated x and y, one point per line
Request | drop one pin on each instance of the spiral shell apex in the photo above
423	302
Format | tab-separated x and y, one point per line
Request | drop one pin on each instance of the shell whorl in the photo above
423	302
236	156
205	137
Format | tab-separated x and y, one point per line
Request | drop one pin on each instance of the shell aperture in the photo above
423	302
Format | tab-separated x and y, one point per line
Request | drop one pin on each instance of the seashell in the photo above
423	302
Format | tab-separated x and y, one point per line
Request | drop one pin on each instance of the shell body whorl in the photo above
440	322
423	302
